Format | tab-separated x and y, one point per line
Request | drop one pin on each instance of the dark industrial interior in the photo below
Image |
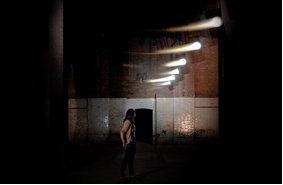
60	57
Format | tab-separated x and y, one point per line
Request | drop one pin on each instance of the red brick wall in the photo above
206	67
105	74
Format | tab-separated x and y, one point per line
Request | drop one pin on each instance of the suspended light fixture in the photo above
176	63
173	72
178	49
166	83
131	66
200	25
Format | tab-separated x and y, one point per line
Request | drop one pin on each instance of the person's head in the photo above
130	114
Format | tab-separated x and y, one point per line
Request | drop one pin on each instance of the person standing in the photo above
128	138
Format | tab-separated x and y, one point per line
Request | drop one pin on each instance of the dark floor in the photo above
157	165
153	164
61	163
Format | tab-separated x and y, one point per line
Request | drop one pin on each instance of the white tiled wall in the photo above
206	119
116	116
184	120
176	120
165	120
98	120
206	102
206	124
78	103
77	120
78	129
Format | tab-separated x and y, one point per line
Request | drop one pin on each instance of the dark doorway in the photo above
143	123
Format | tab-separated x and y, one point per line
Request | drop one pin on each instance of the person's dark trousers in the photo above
129	159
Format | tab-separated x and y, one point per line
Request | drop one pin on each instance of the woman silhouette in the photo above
128	138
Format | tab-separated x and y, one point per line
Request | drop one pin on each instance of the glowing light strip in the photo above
175	71
177	49
201	25
129	65
166	83
176	63
168	78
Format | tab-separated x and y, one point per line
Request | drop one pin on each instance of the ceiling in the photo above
126	18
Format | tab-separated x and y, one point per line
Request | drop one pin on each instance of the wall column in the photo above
58	90
58	83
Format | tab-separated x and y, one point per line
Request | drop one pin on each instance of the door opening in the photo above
143	122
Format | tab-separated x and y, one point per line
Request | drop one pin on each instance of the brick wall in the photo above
105	71
111	81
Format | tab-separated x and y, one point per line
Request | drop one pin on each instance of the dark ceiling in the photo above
126	18
94	20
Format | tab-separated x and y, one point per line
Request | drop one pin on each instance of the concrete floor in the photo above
61	163
153	164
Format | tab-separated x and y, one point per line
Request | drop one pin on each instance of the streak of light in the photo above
163	83
199	25
176	63
178	49
173	72
168	78
130	65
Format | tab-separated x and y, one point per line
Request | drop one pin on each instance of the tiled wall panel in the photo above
116	116
135	103
78	125
206	102
98	120
77	120
175	120
77	103
165	120
184	120
206	120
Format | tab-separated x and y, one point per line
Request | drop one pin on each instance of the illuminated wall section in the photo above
165	120
184	120
113	79
206	119
116	116
175	120
78	113
98	120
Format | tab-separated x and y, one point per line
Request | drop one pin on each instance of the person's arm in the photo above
123	133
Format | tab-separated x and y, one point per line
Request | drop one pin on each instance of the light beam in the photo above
176	63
